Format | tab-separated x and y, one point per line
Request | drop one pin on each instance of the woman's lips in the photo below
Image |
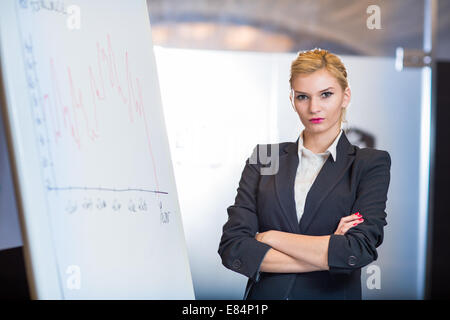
316	120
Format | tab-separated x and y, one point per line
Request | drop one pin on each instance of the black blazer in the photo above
357	181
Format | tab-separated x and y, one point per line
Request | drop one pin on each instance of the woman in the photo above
306	230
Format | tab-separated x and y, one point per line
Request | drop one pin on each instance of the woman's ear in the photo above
347	96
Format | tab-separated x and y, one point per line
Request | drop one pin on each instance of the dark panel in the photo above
439	263
13	280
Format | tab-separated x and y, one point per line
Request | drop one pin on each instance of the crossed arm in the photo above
299	253
294	252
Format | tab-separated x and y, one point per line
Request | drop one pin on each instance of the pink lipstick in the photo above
316	120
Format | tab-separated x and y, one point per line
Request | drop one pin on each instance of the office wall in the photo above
10	235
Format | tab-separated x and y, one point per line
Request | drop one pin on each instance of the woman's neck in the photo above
319	142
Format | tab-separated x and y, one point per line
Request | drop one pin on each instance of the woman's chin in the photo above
316	128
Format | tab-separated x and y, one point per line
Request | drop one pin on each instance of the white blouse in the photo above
309	166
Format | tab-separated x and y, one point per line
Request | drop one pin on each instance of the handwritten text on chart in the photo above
134	206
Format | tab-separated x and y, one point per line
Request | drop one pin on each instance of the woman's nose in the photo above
314	107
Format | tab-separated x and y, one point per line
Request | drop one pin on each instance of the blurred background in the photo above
223	68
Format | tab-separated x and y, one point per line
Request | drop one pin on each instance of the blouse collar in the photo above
331	149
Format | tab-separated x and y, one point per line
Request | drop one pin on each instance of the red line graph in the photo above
74	115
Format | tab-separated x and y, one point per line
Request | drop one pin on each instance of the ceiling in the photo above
293	25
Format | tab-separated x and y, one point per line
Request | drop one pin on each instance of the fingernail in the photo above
355	224
361	219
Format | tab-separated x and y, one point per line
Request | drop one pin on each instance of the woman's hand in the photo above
348	222
263	236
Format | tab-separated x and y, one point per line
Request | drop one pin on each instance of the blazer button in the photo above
237	264
352	260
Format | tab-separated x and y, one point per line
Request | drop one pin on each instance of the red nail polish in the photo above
361	219
355	224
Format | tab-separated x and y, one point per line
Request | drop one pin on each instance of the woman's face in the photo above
319	100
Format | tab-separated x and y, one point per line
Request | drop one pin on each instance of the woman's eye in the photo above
324	95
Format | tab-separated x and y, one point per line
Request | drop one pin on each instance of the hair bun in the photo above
315	50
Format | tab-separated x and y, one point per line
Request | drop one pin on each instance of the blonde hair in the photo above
316	59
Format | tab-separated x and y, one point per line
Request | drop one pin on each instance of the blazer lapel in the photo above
328	177
284	184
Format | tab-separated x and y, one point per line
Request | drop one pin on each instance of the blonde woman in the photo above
305	231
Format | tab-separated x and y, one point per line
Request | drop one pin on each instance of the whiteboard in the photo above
94	178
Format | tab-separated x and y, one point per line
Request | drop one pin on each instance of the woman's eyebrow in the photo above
319	91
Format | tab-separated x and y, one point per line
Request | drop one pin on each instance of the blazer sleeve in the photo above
238	248
357	247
